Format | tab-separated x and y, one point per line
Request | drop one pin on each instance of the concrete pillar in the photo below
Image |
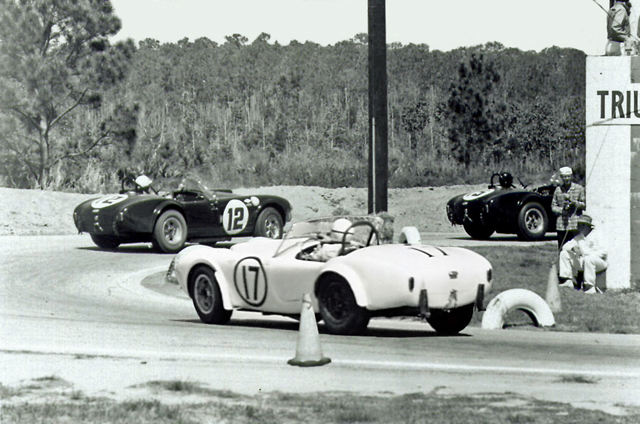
613	162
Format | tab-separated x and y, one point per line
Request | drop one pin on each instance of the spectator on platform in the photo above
618	27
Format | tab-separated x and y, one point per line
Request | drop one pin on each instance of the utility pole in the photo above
378	124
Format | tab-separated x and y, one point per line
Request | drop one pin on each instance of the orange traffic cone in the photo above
553	293
308	352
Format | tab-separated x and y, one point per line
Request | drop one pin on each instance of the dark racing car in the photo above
189	213
504	209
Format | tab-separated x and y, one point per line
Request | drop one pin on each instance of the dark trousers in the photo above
565	236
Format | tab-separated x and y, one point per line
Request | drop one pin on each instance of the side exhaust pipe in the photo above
480	298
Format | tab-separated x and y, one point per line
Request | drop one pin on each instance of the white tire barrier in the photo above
517	299
409	235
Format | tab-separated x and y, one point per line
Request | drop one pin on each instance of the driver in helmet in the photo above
506	180
330	248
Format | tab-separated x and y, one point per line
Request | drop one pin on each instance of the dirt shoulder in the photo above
38	212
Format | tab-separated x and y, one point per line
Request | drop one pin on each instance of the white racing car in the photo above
350	276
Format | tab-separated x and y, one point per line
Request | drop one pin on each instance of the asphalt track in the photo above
107	321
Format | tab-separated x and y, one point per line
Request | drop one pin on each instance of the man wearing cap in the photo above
582	253
618	28
568	203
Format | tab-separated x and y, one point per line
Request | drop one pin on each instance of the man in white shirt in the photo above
331	248
582	253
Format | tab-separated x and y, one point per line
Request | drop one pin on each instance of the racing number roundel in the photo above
108	201
477	194
235	217
251	281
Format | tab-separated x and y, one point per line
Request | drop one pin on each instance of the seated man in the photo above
331	248
582	253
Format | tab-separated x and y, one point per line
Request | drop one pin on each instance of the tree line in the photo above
78	112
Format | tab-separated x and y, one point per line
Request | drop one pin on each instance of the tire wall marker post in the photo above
517	299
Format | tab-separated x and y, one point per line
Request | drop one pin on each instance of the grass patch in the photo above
527	267
318	408
188	388
8	392
50	379
580	379
94	411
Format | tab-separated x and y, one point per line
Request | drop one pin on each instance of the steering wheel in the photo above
491	184
130	181
374	231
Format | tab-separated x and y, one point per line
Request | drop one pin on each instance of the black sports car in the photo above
190	213
504	209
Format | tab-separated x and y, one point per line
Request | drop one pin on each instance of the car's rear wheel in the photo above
105	242
206	296
338	307
269	224
451	321
170	232
532	222
478	231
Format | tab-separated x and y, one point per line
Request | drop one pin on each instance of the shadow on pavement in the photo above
126	248
505	237
293	325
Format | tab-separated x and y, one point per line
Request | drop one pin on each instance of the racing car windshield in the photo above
191	183
321	229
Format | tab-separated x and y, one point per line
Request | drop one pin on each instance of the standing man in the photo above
568	203
618	27
582	254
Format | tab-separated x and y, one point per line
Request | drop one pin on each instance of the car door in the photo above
292	277
201	213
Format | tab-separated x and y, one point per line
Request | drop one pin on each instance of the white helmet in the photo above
339	228
143	181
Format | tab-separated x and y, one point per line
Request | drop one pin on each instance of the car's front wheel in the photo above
338	308
105	242
532	222
451	321
170	232
206	296
269	224
478	231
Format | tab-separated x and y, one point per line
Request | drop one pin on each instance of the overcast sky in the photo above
442	24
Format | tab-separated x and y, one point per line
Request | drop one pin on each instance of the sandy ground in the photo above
37	212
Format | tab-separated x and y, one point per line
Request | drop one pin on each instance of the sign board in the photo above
613	162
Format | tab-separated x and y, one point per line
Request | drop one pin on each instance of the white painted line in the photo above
391	365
